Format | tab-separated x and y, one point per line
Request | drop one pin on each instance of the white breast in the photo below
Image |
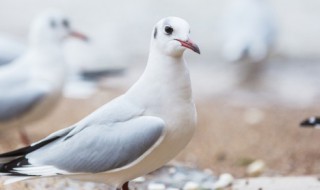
168	97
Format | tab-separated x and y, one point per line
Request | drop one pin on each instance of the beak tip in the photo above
197	50
190	45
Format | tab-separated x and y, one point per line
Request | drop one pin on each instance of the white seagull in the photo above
249	33
31	85
130	136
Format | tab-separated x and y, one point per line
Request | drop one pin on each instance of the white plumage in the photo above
133	134
31	85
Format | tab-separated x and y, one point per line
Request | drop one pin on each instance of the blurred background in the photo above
242	117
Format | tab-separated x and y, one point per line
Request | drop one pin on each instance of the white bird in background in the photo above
312	122
10	49
130	136
31	85
249	33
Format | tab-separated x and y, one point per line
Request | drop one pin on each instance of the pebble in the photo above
156	186
139	180
224	181
172	170
182	177
190	185
256	168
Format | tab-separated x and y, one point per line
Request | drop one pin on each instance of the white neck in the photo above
165	78
46	45
39	39
48	64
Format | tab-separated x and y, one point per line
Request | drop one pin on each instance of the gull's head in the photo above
52	27
171	36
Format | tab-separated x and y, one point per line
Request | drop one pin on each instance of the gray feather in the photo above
101	148
4	61
10	80
19	99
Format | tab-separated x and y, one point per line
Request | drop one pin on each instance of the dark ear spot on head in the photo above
155	33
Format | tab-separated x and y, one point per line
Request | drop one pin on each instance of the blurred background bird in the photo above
32	84
311	122
10	49
249	31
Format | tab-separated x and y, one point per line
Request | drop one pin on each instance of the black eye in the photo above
66	23
53	24
168	30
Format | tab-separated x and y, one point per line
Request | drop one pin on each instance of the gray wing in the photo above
19	99
12	75
96	148
10	49
4	60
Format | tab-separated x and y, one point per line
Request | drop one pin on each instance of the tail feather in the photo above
8	169
312	122
10	161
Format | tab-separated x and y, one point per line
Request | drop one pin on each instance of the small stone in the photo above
139	180
256	168
172	170
156	186
224	181
191	186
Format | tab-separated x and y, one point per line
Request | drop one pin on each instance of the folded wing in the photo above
93	149
18	99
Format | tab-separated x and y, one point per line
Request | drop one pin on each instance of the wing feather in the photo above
93	149
17	100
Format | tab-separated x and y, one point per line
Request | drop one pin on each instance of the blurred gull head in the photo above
52	27
171	37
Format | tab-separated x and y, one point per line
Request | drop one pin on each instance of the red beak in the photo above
190	45
79	35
